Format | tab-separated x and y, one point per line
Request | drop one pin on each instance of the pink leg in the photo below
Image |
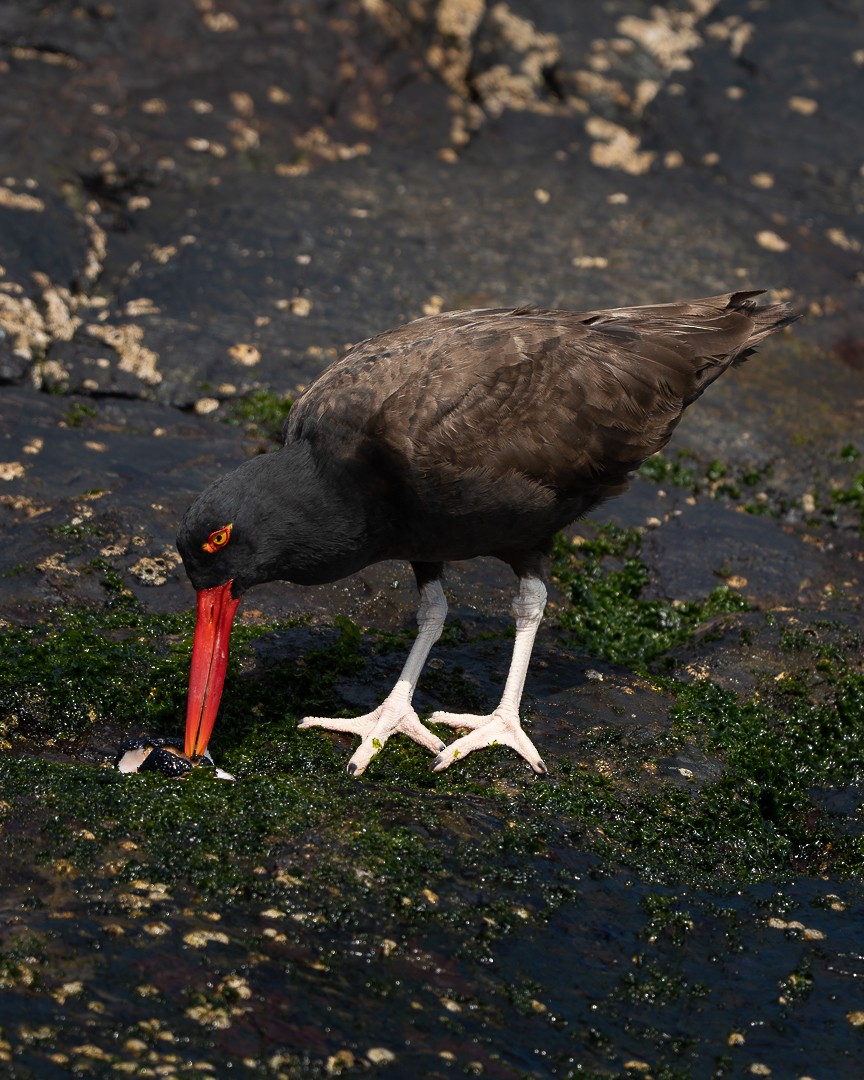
503	726
396	712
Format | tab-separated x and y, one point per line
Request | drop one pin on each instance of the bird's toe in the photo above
365	752
374	729
355	725
414	729
502	728
460	720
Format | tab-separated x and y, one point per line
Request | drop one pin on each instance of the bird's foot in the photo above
500	728
375	728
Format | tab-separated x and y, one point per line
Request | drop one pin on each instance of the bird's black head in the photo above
231	531
248	527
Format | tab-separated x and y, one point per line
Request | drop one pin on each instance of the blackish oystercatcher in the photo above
468	433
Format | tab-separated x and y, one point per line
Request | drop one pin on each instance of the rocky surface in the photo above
201	204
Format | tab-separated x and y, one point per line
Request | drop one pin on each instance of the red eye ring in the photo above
217	539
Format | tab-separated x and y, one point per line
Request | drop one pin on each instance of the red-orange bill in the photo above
216	608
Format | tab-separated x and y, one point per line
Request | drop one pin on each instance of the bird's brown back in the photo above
563	398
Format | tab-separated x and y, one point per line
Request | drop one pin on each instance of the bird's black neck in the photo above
319	527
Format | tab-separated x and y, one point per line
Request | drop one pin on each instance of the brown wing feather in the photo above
562	397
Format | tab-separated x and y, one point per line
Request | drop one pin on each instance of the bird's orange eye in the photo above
217	539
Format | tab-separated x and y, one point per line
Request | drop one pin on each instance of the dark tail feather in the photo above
766	320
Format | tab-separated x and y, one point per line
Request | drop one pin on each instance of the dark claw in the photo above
352	768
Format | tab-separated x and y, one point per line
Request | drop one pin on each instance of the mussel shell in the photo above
163	761
164	756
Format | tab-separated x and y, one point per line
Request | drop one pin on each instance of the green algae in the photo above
386	843
832	485
604	580
261	413
78	415
296	863
682	469
678	470
116	664
852	494
59	678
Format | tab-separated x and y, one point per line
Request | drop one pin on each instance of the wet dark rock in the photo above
39	232
772	564
213	239
851	352
844	805
13	366
198	201
691	769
